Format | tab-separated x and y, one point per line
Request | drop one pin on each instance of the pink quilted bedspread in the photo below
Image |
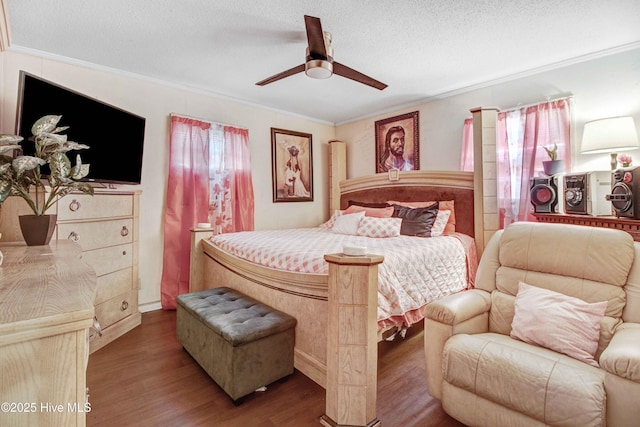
415	271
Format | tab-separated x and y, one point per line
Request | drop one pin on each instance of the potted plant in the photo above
22	176
553	165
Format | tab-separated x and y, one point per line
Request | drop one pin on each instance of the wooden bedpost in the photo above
352	344
484	175
196	258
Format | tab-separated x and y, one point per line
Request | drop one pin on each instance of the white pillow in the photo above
558	322
379	227
347	224
327	225
441	222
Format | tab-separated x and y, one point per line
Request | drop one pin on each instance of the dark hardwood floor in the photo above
145	378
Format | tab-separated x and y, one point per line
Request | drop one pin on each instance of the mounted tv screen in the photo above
115	137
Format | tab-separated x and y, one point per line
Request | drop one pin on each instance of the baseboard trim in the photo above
150	306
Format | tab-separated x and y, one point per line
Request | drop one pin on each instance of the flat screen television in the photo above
115	137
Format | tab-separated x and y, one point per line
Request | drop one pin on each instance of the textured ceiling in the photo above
421	49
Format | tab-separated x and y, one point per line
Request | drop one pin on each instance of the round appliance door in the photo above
542	194
621	197
573	196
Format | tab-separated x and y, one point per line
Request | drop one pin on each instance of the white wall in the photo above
155	102
604	87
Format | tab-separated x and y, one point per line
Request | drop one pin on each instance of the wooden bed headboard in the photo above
416	186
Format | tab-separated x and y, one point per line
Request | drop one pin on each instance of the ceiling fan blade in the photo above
282	75
315	37
350	73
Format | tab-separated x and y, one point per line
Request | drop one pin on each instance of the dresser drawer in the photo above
108	260
97	234
110	311
113	284
85	206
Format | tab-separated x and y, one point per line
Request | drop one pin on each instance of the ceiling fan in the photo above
319	63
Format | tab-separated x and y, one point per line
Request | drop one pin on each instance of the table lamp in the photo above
609	135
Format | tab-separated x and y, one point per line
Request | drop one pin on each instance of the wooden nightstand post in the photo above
352	349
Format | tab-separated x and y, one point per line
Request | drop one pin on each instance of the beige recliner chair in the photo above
484	377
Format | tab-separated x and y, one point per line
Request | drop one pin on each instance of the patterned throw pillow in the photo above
379	227
329	224
441	222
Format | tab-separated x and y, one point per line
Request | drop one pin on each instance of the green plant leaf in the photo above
5	167
60	129
5	190
79	171
7	148
10	139
45	124
21	164
52	138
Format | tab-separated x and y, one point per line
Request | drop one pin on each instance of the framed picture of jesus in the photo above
398	143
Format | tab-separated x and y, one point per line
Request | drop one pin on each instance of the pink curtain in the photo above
187	202
209	181
466	158
522	136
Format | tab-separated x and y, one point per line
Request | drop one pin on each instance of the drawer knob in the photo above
124	252
124	306
73	236
74	205
124	232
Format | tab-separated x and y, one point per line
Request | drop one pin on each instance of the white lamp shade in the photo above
609	135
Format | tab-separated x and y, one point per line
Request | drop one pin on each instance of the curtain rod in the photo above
207	121
549	99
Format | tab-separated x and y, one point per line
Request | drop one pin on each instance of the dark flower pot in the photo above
552	167
37	229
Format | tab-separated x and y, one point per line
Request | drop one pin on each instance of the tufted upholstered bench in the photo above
241	343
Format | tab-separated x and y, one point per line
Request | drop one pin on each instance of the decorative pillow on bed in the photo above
347	223
332	220
558	322
441	222
367	204
373	212
379	227
418	221
444	205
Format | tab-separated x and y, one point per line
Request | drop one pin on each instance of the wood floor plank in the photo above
145	378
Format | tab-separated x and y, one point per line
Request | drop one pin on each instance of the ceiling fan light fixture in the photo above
318	69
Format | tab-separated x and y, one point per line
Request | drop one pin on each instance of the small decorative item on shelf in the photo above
553	165
19	174
625	160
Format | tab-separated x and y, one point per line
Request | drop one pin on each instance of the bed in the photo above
304	295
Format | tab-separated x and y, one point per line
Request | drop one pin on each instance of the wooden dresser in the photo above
631	226
105	226
46	310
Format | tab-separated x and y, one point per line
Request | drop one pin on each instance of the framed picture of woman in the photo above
398	143
292	166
